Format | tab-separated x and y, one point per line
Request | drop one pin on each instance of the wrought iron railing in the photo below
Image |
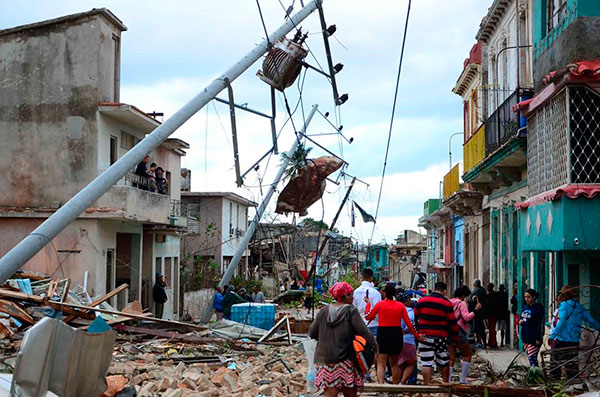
502	124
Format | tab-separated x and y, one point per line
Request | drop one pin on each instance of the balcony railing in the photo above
429	257
134	180
502	124
175	208
451	184
474	149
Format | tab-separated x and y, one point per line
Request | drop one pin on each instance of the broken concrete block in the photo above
180	368
265	389
147	389
138	379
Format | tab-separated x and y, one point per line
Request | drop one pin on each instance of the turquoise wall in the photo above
372	260
564	225
575	9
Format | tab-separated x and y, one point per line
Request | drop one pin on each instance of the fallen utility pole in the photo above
263	206
257	217
43	234
326	238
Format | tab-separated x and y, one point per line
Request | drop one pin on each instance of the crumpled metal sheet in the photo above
308	186
64	360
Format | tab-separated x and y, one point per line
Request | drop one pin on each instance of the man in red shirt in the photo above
437	322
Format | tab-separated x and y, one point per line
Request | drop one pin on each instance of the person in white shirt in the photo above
365	290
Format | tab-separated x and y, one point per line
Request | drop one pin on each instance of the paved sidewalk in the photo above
501	358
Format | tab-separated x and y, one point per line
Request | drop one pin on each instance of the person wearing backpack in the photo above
335	328
463	316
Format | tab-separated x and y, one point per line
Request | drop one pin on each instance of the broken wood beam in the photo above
272	331
495	391
135	316
5	293
65	293
387	388
65	308
15	310
109	295
177	336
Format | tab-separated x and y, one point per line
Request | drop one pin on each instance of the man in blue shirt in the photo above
218	301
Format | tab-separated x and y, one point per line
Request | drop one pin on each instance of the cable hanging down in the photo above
387	149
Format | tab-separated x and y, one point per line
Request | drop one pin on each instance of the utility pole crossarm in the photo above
48	230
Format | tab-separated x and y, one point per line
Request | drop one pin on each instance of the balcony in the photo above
474	150
451	183
432	258
503	124
131	199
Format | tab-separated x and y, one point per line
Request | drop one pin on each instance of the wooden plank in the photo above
135	316
387	388
109	295
495	391
66	290
181	337
289	331
273	330
20	296
65	308
16	311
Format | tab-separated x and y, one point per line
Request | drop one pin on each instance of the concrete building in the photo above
217	221
405	257
559	218
61	124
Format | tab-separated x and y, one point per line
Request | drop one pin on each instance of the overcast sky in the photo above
171	51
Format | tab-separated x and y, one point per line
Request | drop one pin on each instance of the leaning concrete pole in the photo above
263	206
42	235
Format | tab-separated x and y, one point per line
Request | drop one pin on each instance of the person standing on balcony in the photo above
162	185
152	177
159	296
142	171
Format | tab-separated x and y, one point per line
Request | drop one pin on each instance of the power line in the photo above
387	149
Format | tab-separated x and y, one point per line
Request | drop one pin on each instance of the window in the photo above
230	219
128	141
113	149
556	11
377	256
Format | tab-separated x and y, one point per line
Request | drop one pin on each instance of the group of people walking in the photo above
437	328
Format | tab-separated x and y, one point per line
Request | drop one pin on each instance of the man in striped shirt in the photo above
436	321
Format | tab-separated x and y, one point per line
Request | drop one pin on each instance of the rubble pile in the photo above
267	371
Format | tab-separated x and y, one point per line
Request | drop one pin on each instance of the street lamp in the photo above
450	147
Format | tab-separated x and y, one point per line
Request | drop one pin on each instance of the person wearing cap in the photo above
159	296
390	333
334	328
408	357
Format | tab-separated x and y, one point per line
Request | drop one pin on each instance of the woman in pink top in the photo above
462	318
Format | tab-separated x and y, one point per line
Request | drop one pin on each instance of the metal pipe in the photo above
450	148
246	108
263	206
336	97
44	233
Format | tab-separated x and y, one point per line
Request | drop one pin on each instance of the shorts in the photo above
462	337
390	340
408	355
502	325
434	348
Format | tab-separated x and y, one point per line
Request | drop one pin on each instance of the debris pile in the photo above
268	371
